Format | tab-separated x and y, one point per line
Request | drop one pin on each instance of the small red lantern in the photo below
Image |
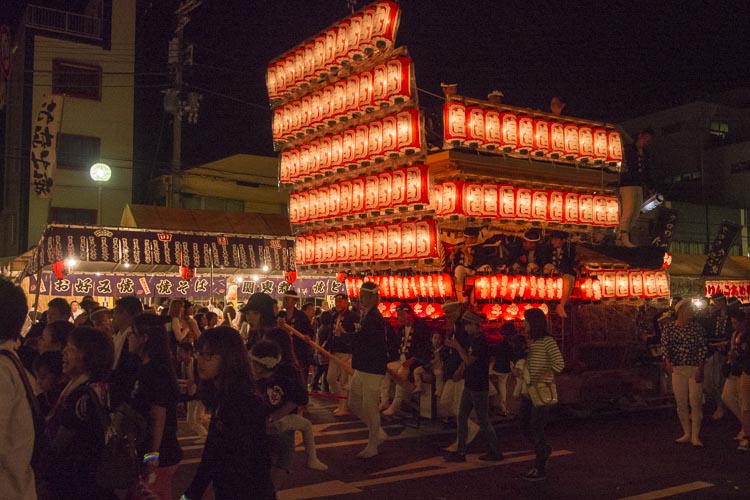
59	269
525	134
509	131
475	126
585	143
600	144
290	276
187	273
586	209
556	203
492	129
614	147
541	137
454	124
341	276
572	149
556	139
571	214
380	85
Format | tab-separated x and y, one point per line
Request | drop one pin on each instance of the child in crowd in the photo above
280	387
187	380
50	378
435	366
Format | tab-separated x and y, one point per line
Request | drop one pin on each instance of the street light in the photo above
100	173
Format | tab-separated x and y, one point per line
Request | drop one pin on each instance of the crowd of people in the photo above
247	373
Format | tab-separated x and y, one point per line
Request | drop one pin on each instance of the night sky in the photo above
607	63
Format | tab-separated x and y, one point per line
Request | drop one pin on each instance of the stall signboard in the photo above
133	246
199	287
730	288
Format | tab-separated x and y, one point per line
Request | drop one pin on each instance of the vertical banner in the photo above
666	221
717	255
44	144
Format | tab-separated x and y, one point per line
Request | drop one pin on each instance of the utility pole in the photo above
178	57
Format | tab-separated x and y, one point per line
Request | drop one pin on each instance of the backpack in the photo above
119	464
41	438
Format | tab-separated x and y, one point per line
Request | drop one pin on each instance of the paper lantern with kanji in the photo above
408	240
278	124
600	210
313	166
365	92
417	184
394	242
398	187
450	199
379	242
586	209
445	285
613	211
572	146
614	147
299	250
342	246
492	129
299	66
489	200
600	144
310	251
454	124
304	160
571	214
662	284
385	23
316	109
372	186
541	137
384	190
324	154
358	195
539	204
380	85
319	55
375	141
284	161
525	134
426	239
341	51
334	200
303	205
273	93
622	284
409	135
556	206
280	78
329	60
352	96
399	86
636	284
493	312
308	69
323	204
361	143
337	152
649	284
390	135
556	139
434	311
294	208
474	126
585	143
509	131
348	143
472	199
305	120
312	204
523	203
365	37
506	202
338	109
482	288
355	30
326	104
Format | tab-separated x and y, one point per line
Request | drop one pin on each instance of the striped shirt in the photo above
544	356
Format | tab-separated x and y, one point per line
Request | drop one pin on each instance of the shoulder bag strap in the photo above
33	403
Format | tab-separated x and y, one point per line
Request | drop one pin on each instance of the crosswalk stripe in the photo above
672	491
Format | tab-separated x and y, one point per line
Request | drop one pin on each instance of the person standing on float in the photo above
634	178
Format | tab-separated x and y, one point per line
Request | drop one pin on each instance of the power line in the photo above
232	98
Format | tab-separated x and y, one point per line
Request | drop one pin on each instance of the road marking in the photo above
438	464
668	492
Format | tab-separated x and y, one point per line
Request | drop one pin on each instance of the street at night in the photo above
612	457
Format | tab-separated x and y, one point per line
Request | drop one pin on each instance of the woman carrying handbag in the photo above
542	361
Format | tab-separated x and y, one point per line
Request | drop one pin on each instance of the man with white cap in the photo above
369	362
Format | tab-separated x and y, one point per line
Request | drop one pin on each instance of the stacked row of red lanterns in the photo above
645	284
421	309
406	288
508	132
390	83
392	189
398	241
510	312
372	28
483	199
510	287
390	136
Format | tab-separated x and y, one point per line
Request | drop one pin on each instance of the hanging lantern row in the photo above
483	199
359	35
406	288
508	132
421	310
390	83
390	136
645	284
730	288
407	240
396	188
509	287
511	312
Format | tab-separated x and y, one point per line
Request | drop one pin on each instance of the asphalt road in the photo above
615	457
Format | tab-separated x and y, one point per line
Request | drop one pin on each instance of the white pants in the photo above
687	390
450	399
338	378
363	401
631	201
388	382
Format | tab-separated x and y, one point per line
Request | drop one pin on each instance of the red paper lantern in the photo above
600	210
380	242
320	248
506	202
585	143
474	126
541	137
345	198
58	268
271	82
556	139
385	23
571	214
365	243
409	136
613	211
472	199
614	147
341	276
649	284
365	37
509	131
454	124
349	142
525	134
493	312
341	51
329	60
600	144
342	246
636	284
338	109
556	206
299	250
622	284
186	273
408	240
365	92
523	203
355	30
398	187
337	152
586	209
385	181
361	144
354	254
375	141
539	204
572	151
310	251
358	195
290	276
380	85
489	200
390	135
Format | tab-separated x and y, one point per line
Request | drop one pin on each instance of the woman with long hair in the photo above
543	360
75	425
189	324
173	324
685	349
154	397
236	456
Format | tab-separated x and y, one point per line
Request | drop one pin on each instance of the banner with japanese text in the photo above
43	159
110	285
305	287
719	251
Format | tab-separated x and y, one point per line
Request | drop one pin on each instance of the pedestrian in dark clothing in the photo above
635	176
236	456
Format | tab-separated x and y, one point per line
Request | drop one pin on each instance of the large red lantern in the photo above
398	188
474	126
380	85
539	204
385	23
523	203
614	147
365	92
600	144
541	137
556	140
354	253
375	141
409	137
509	131
390	135
472	199
408	240
586	209
361	144
399	87
525	134
571	214
365	243
384	190
600	210
506	202
585	143
493	137
454	124
572	146
556	206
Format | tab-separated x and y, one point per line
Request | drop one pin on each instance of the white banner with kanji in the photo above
44	131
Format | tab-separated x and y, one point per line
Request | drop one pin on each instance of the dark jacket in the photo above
420	348
369	343
236	456
454	360
342	343
567	262
302	350
636	169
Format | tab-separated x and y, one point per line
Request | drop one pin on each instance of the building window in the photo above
719	130
76	216
77	152
672	128
77	79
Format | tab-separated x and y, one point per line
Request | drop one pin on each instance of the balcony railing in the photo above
60	21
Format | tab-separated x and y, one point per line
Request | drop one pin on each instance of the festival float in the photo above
368	203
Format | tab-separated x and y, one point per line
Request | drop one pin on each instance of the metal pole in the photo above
99	204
